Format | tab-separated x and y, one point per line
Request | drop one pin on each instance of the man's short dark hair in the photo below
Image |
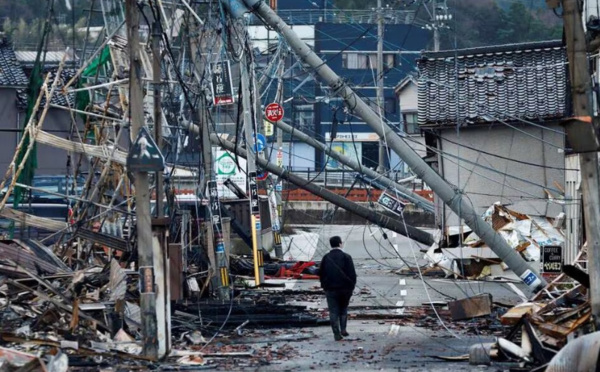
335	241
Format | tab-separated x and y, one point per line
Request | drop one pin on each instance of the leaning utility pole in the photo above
581	131
382	145
249	128
142	191
356	166
369	214
450	194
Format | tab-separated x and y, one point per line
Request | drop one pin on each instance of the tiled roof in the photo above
524	81
11	72
50	57
58	98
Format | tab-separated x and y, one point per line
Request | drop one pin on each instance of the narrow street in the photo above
411	335
176	174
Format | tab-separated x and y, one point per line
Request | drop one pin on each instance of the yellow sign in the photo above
268	128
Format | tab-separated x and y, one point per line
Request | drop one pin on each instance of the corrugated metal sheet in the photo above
23	256
525	81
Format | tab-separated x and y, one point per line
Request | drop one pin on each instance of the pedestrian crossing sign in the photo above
144	155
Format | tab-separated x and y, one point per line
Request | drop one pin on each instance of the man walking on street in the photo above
338	279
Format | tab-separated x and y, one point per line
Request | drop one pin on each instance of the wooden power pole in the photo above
583	137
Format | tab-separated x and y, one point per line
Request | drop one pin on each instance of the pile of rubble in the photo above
526	234
55	318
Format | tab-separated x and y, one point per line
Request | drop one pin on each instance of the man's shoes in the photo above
345	334
338	337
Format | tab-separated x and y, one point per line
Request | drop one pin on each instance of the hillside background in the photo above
475	22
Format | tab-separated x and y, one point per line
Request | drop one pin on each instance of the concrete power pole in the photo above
382	145
156	76
279	185
213	213
378	218
447	192
439	16
259	272
436	29
581	132
142	191
161	223
215	219
356	166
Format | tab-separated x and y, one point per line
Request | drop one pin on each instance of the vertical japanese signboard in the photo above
215	212
254	206
222	87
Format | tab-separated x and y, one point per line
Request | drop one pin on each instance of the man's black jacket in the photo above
337	271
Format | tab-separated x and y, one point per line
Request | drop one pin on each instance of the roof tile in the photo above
11	72
523	81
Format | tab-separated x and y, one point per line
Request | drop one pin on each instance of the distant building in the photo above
12	81
491	116
351	51
13	106
407	95
347	41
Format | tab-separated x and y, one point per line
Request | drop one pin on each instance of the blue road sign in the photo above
261	143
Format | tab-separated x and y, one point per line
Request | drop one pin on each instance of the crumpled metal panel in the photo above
579	355
118	281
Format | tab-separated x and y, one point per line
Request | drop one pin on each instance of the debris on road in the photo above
526	234
471	307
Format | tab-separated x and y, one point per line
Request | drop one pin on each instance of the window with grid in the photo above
361	61
411	125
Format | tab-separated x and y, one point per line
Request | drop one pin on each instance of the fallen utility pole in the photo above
451	195
142	191
581	94
356	166
371	215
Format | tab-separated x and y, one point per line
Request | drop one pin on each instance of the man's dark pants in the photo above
337	302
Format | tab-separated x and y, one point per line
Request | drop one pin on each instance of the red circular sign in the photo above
262	176
274	112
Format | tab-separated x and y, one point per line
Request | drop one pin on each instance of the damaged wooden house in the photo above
491	119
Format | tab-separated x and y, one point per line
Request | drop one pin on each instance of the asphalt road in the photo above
383	344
